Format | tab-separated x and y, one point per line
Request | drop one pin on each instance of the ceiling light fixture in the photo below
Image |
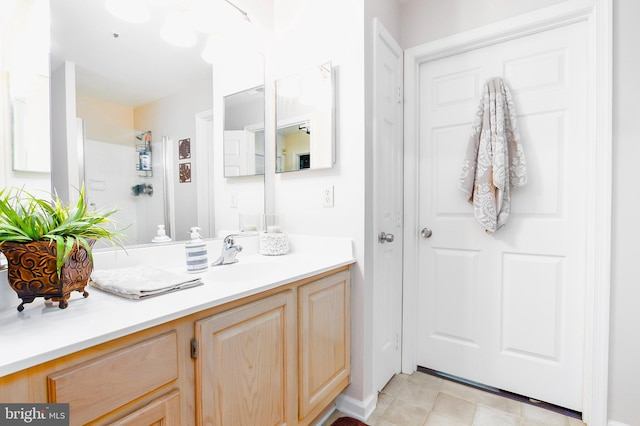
228	27
177	29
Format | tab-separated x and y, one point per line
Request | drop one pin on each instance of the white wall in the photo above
243	195
106	121
65	173
427	20
109	159
109	176
624	352
174	117
242	114
308	34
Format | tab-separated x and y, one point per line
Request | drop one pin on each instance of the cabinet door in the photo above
106	383
245	370
324	343
164	411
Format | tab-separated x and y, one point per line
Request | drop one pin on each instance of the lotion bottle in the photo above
161	236
196	251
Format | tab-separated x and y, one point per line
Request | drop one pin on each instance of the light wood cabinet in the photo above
163	411
142	379
118	378
274	358
242	370
324	343
281	360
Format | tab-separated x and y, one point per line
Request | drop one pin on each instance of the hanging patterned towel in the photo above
494	163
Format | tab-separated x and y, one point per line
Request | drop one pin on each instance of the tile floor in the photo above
424	400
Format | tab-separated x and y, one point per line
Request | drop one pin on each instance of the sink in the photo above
262	269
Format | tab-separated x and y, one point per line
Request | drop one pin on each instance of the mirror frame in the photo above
305	119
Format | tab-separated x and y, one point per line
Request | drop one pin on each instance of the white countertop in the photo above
43	332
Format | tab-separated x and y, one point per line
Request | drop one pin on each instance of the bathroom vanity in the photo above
265	341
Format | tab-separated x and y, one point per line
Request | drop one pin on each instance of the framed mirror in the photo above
124	81
27	30
244	133
305	120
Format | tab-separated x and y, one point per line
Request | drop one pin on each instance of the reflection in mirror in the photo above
123	80
244	133
304	112
27	30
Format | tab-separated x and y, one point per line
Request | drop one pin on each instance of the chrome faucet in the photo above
229	251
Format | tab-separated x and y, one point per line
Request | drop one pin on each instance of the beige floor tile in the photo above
461	391
501	403
427	380
403	413
383	422
529	422
395	384
456	408
436	419
384	401
533	415
421	399
417	394
373	420
575	422
487	416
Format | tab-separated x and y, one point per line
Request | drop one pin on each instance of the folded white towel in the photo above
138	282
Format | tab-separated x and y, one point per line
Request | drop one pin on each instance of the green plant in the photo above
25	217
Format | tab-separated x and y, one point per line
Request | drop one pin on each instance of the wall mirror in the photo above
27	30
305	123
128	83
244	133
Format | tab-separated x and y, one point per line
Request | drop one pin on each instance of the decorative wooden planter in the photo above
32	272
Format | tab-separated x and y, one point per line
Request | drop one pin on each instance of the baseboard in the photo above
323	418
360	410
612	423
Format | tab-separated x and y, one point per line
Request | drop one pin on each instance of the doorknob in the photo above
385	238
426	233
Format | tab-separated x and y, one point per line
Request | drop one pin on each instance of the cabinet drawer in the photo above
164	411
99	386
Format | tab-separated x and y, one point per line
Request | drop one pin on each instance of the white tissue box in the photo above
273	244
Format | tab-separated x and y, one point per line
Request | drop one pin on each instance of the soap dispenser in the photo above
161	236
196	250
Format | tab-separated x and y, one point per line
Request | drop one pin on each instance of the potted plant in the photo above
48	244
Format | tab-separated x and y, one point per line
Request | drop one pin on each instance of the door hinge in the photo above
194	348
399	96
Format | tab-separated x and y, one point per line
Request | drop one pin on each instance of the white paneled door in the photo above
507	309
387	211
239	152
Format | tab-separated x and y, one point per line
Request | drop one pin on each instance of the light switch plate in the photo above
327	196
